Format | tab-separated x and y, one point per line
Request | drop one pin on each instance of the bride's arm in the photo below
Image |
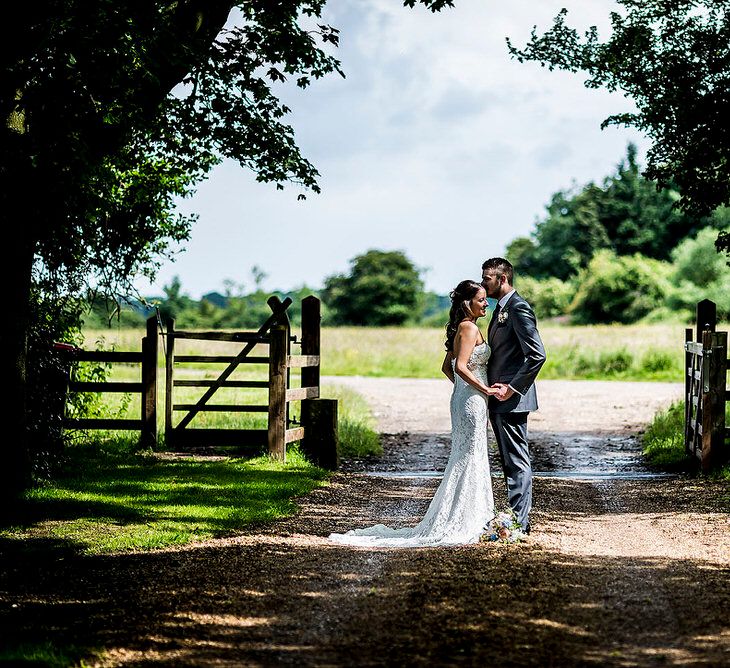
446	366
464	342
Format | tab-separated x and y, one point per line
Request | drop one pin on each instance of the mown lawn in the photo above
109	498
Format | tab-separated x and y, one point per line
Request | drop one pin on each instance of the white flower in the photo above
502	317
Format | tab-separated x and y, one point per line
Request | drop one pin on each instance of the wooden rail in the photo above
316	429
146	388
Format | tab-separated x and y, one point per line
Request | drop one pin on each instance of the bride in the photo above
463	503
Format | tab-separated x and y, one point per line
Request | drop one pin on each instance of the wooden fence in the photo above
146	387
706	362
317	428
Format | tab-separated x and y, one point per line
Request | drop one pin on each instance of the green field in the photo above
637	352
621	352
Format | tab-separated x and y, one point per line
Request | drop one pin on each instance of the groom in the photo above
516	357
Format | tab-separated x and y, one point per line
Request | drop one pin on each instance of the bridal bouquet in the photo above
504	528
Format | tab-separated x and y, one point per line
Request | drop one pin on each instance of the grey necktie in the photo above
494	319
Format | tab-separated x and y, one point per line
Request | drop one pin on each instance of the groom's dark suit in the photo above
516	356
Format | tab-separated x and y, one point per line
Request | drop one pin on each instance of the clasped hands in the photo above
502	391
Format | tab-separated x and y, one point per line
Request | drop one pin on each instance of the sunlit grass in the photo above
356	425
640	352
663	441
45	653
110	499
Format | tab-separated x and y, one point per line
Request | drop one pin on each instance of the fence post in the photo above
277	391
148	437
169	364
716	454
311	339
706	318
274	303
321	443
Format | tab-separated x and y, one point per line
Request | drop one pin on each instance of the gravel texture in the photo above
618	571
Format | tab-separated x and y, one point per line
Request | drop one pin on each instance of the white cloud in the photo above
436	143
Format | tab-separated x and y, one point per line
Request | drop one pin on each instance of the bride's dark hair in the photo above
460	296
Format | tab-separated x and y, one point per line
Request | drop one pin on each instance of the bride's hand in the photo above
503	392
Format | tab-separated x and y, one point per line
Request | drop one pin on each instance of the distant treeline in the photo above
619	251
376	299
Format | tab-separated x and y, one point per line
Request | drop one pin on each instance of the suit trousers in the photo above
510	431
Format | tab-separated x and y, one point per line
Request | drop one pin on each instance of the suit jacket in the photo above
516	357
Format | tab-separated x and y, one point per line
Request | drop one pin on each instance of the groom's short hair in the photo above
501	266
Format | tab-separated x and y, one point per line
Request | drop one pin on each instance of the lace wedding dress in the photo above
463	503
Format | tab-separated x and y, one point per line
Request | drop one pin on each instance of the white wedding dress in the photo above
463	503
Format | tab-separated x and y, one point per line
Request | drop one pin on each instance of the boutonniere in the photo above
502	317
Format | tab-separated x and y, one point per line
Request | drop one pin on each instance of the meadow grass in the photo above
653	352
110	498
620	352
663	441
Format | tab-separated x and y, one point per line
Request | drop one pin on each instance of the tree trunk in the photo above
15	277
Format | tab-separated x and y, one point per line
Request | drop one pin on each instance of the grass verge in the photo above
110	499
663	442
44	654
356	426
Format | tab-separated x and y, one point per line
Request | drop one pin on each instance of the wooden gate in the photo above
275	333
705	389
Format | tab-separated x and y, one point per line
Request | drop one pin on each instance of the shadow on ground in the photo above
286	596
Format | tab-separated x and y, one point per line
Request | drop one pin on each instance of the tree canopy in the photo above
382	288
91	118
672	58
111	111
626	214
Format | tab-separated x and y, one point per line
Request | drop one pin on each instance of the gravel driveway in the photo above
421	405
619	571
586	426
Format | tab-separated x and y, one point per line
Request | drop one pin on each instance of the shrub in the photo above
549	297
657	360
619	288
699	272
615	362
438	319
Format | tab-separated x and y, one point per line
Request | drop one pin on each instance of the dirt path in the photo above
421	405
582	426
618	572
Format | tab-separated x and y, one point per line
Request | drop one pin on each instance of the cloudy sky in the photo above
436	143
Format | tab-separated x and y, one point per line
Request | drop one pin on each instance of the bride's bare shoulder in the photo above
467	328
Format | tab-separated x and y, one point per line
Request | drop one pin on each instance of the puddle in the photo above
572	474
578	456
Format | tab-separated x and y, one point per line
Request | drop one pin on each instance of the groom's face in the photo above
492	283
